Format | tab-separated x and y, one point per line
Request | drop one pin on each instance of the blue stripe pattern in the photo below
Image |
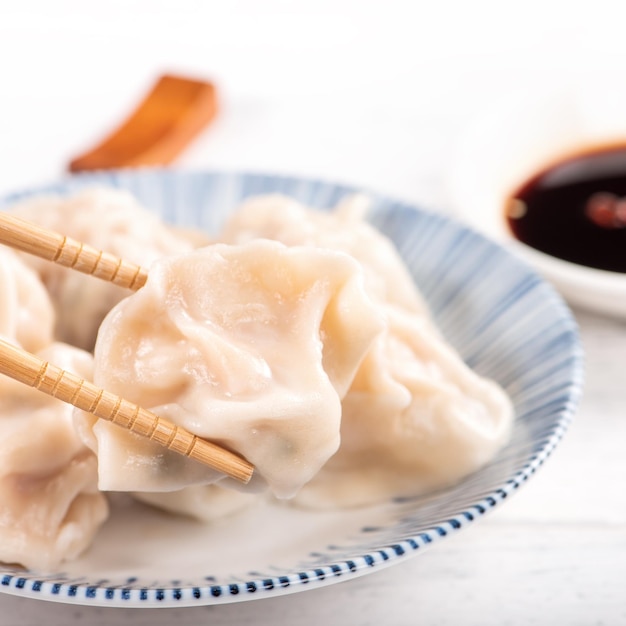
503	319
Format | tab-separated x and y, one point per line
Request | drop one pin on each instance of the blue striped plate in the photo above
506	322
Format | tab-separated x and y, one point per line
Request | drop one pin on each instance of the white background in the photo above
368	91
377	94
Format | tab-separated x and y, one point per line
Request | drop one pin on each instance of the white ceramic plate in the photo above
520	135
505	321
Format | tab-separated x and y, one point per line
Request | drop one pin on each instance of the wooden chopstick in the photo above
167	119
58	383
52	246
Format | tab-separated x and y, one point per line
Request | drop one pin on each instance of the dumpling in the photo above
108	220
283	219
206	503
26	313
251	346
50	508
415	419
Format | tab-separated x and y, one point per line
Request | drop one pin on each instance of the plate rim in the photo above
29	585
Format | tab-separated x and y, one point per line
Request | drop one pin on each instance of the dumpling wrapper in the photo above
50	508
249	346
281	218
206	503
26	312
107	219
415	419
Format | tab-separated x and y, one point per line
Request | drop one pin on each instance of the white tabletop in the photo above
375	94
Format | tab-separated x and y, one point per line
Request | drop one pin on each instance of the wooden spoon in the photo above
171	115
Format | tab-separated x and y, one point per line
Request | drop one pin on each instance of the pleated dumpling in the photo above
49	502
206	503
415	419
26	313
344	229
50	508
109	220
251	346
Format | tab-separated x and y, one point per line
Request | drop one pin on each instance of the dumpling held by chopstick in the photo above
250	346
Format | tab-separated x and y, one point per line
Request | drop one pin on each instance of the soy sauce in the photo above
576	210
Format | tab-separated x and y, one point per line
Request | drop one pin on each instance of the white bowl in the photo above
517	138
505	321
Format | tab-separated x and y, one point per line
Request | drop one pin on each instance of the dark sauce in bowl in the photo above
576	210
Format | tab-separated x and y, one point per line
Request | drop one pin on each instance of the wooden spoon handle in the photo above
58	383
169	117
53	246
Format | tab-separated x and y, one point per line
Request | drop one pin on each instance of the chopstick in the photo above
52	380
52	246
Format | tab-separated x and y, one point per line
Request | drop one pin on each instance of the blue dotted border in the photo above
325	574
